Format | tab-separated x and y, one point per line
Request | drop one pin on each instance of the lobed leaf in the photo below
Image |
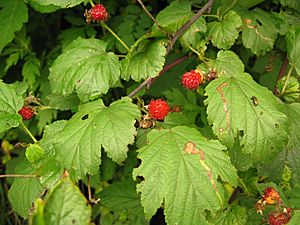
240	108
258	32
53	3
78	148
224	33
147	61
293	46
84	67
12	16
24	191
187	184
10	104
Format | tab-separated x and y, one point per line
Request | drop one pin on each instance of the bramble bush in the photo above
150	112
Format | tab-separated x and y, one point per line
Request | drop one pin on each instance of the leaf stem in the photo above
286	80
18	175
104	25
28	132
154	20
92	3
244	186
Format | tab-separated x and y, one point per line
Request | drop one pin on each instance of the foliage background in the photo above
85	142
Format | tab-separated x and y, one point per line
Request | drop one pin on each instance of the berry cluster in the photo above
96	13
158	109
192	80
271	197
26	112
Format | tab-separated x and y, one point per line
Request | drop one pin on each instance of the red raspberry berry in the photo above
98	12
26	112
271	196
279	218
158	109
191	80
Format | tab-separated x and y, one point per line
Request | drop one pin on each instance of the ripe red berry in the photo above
279	218
271	196
26	112
98	12
158	109
191	80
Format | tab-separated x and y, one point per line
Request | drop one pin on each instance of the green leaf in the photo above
86	68
293	114
122	197
93	126
34	152
66	205
227	63
147	61
24	191
187	184
261	128
61	4
10	104
30	70
12	16
258	32
224	33
295	4
193	35
174	16
234	215
295	220
293	46
63	103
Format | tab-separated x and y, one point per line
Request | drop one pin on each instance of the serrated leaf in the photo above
12	16
227	63
10	104
224	33
174	16
147	61
30	70
61	4
24	191
66	205
122	197
293	46
261	128
93	126
258	32
193	35
185	183
293	114
84	67
234	215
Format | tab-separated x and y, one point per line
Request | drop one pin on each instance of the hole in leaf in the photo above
259	23
86	116
140	179
241	133
276	125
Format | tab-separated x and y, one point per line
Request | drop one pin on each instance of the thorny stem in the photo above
28	132
114	34
165	69
286	80
180	32
154	20
18	175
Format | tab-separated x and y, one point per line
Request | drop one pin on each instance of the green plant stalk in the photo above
28	132
92	3
286	80
114	34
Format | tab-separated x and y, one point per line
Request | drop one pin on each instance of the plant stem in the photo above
154	20
92	3
286	80
18	175
244	186
28	132
114	34
281	73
